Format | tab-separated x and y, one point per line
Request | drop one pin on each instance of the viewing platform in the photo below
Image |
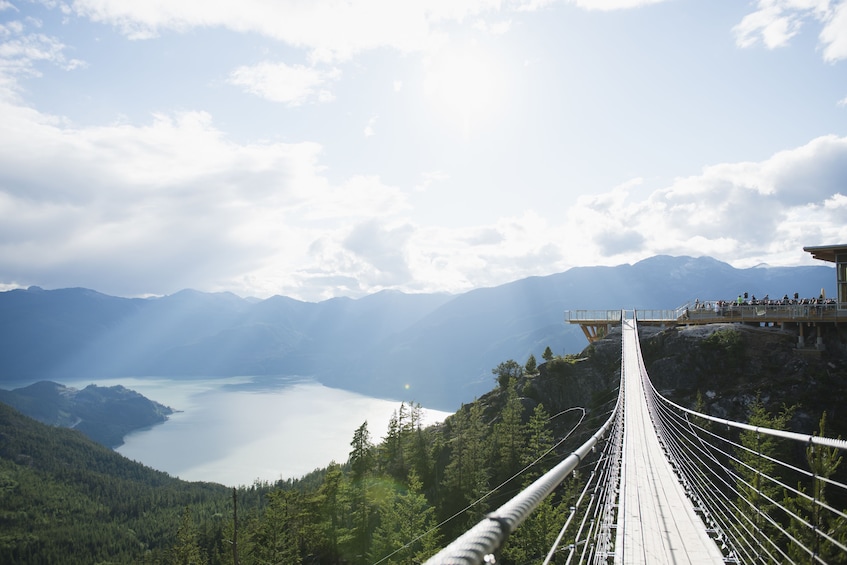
596	324
805	315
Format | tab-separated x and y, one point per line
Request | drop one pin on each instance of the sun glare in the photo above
465	86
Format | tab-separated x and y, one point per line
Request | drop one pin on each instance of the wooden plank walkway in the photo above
656	521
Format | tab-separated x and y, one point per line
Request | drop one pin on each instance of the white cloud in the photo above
173	203
331	30
776	22
745	213
361	196
609	5
21	51
369	128
382	250
834	34
494	28
770	24
291	85
429	178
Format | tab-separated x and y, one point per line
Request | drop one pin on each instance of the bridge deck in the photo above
656	521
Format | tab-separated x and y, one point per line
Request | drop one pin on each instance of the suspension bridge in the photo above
671	485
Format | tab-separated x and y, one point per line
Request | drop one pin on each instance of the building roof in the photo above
827	252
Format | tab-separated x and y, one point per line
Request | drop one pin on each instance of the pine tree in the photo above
548	354
406	533
531	365
533	539
186	551
506	370
324	526
391	449
539	441
361	466
276	539
823	462
755	486
466	475
509	434
361	456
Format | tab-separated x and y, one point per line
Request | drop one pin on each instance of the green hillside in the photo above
66	499
105	414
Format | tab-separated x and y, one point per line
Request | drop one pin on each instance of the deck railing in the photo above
760	312
720	311
611	316
660	315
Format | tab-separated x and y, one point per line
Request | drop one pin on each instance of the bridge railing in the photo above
479	544
761	506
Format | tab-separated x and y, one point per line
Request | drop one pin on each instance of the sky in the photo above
324	148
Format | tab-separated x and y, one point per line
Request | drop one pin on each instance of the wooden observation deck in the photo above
785	313
596	324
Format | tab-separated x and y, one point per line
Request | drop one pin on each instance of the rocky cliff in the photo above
726	366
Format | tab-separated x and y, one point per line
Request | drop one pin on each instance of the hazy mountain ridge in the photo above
104	414
436	349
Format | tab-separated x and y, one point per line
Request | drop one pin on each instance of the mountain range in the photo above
436	349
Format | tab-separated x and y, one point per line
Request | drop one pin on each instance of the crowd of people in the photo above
720	307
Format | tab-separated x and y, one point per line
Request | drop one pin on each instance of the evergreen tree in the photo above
466	475
390	452
533	539
509	435
539	441
406	533
361	456
823	462
276	538
417	447
755	486
548	354
361	465
186	551
324	526
506	370
531	365
404	446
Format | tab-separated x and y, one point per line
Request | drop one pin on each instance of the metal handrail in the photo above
488	535
592	315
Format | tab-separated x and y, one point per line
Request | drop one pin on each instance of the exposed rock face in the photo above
726	365
731	364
